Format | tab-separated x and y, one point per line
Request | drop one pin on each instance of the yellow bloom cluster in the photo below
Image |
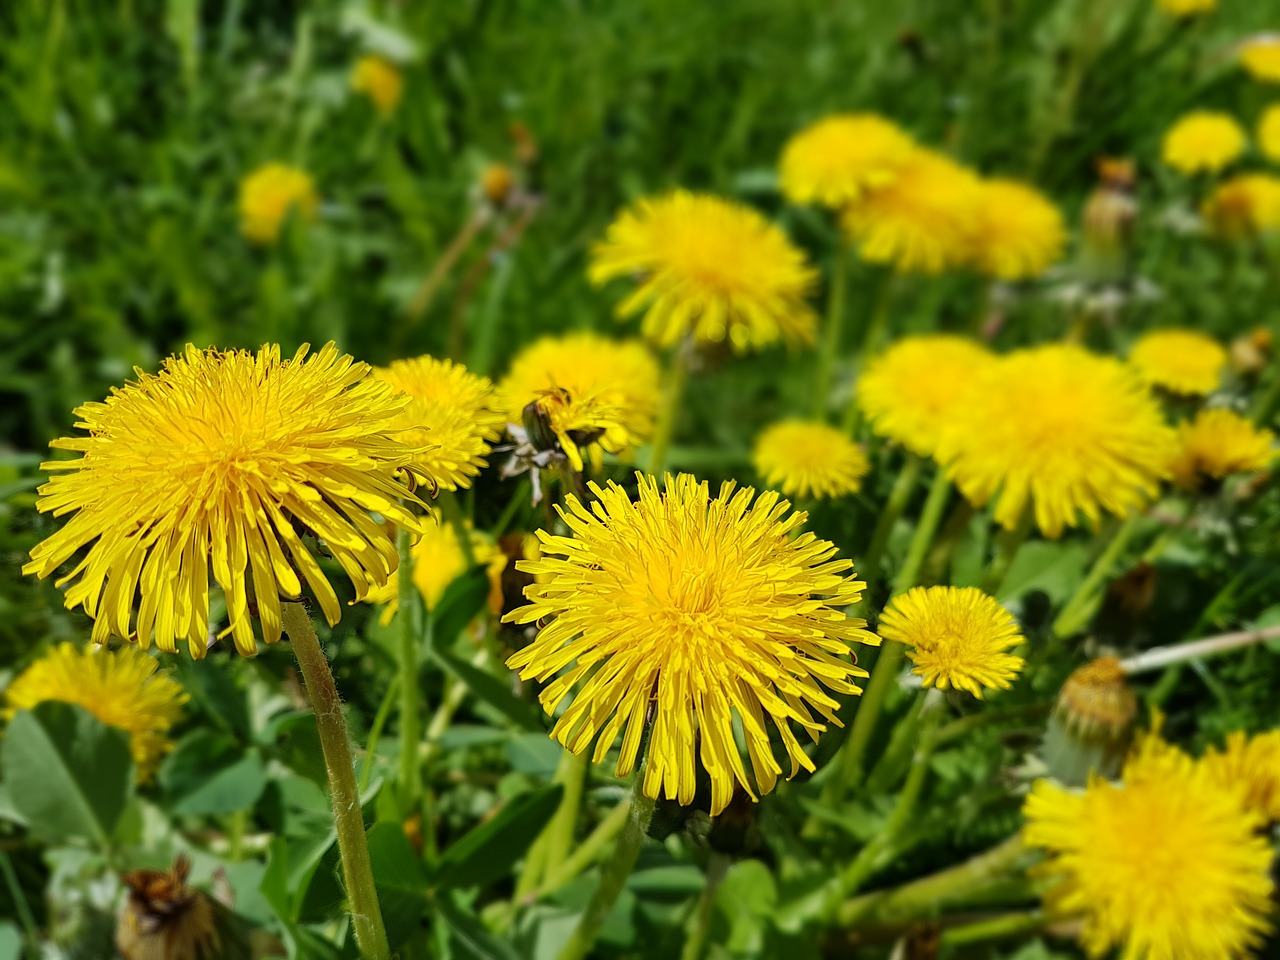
1180	361
378	79
269	195
807	459
1203	142
1260	56
1216	444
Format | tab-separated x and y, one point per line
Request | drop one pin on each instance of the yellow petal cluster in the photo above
228	460
1216	444
123	688
1250	765
1187	8
701	612
1243	206
1180	361
805	458
1018	232
378	79
709	269
1269	132
1260	56
837	159
1203	142
269	195
439	558
1059	431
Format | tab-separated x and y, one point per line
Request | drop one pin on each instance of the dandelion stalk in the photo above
1159	657
673	396
410	720
335	743
870	340
899	496
1076	611
829	351
695	941
1008	543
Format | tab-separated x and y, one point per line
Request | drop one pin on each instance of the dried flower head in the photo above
269	195
804	458
1203	142
1216	444
839	158
165	919
1180	361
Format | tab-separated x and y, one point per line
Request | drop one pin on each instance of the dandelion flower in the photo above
1181	361
909	390
837	159
708	268
1164	865
1187	8
592	390
1217	444
1269	132
1058	430
702	611
923	221
1243	206
1260	56
804	458
452	411
1203	142
227	459
1250	765
122	688
959	637
378	79
1019	233
269	195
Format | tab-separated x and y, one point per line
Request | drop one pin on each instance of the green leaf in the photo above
490	850
1055	567
401	883
494	692
67	773
210	772
745	901
10	941
217	694
462	601
468	937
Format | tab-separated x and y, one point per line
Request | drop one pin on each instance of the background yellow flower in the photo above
836	159
379	79
1216	444
1018	232
1182	361
1260	56
1203	142
804	458
269	195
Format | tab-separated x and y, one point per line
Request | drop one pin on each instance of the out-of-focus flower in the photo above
227	460
1180	361
1250	765
804	458
380	80
1058	430
1269	132
165	919
1165	864
1107	221
908	391
1217	444
922	221
837	159
687	614
1243	206
1019	233
1187	8
122	688
1260	56
709	269
1251	351
959	637
496	183
269	195
1092	720
1203	142
592	391
453	414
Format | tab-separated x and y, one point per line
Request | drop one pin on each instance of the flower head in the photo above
922	221
804	458
694	609
1243	206
837	159
1018	232
959	637
1250	765
122	688
227	460
269	195
164	917
451	411
909	390
1269	132
1187	8
1203	142
1217	444
591	389
1181	361
378	79
1165	865
1058	430
1260	56
708	268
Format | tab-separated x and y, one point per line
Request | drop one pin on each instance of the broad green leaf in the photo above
535	754
744	903
10	941
1056	567
67	773
209	772
462	601
401	883
489	850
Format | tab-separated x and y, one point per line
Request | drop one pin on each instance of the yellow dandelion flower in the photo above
1018	232
1269	132
1181	361
804	458
1260	56
380	80
1058	430
923	221
1216	444
1203	142
227	459
592	390
438	560
122	688
702	611
959	637
452	411
908	391
1165	865
269	195
1251	766
708	268
837	159
1243	206
1187	8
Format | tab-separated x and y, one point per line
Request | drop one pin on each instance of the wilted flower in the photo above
1180	361
269	195
378	79
804	458
837	159
1018	232
165	919
1203	142
1260	56
1216	444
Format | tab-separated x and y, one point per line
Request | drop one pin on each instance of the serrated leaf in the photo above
489	851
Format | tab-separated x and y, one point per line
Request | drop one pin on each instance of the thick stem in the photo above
572	774
829	351
410	718
1008	543
613	877
1003	926
1076	611
922	539
353	847
673	396
695	940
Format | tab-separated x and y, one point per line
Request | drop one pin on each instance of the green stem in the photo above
1008	543
884	775
572	774
899	496
695	940
1077	610
410	719
588	851
375	731
930	517
617	868
20	904
829	351
1004	926
673	396
353	847
870	340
